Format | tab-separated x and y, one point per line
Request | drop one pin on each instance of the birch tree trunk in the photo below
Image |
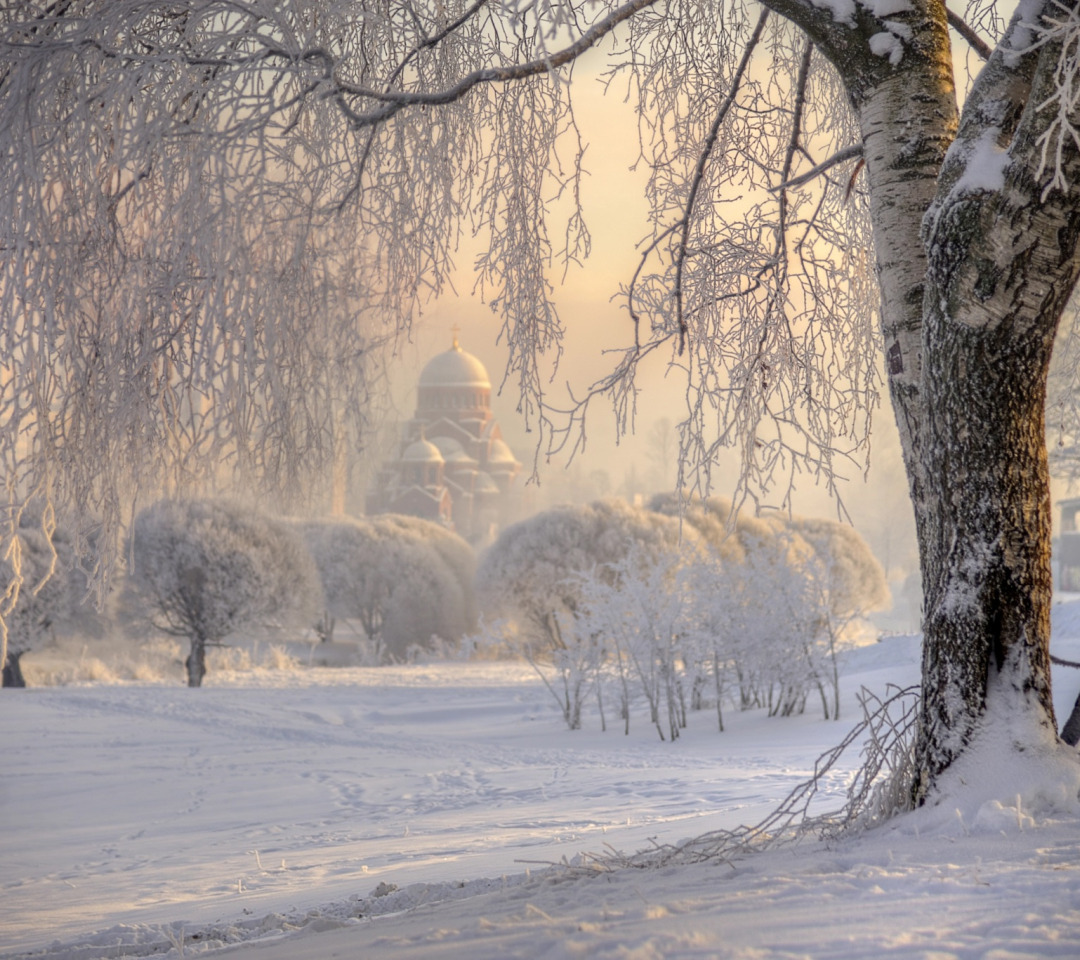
976	258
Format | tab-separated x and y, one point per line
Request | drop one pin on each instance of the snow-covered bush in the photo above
638	617
207	568
530	581
784	595
404	580
456	553
848	570
528	575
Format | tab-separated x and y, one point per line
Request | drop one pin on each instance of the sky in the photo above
616	212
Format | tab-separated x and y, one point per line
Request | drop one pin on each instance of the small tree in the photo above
532	578
393	576
208	568
638	614
841	582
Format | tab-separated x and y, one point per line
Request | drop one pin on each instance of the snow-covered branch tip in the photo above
1062	135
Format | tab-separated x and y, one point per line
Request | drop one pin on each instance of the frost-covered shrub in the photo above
532	582
456	553
528	576
784	595
845	565
406	581
638	618
208	568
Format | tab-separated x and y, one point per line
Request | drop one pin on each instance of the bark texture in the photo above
1002	262
970	306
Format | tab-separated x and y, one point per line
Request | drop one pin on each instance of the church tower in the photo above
453	464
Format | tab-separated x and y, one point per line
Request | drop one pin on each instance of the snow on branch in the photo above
1062	134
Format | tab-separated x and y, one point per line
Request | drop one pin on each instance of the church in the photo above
452	464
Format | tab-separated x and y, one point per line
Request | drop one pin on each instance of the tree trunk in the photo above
974	275
196	662
985	537
1002	263
1070	733
13	675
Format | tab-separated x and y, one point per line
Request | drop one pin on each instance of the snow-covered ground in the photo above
413	812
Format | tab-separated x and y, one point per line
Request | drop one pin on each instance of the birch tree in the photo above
819	199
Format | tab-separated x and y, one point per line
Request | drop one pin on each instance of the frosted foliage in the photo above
455	552
844	562
404	581
756	620
44	598
208	568
758	281
636	616
527	574
1061	32
213	213
728	533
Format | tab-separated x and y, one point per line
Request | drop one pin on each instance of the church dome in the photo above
500	453
422	451
484	484
452	451
454	368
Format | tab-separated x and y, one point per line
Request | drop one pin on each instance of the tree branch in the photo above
699	171
980	46
848	153
394	101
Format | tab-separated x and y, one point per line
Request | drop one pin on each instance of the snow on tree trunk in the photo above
1002	248
970	306
985	535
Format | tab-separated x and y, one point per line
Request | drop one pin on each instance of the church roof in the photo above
422	451
501	453
451	450
454	368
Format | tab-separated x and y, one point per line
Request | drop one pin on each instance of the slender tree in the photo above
818	197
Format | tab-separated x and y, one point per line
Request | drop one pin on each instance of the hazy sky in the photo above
616	212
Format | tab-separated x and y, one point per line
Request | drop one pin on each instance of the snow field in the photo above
414	812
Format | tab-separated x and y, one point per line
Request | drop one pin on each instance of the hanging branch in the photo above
699	173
